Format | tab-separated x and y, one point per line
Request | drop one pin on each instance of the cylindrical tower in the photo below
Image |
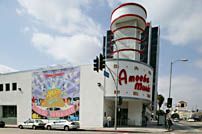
127	24
130	80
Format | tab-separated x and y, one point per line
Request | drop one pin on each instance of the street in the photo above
191	127
31	131
179	127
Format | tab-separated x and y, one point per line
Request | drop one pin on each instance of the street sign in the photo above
106	74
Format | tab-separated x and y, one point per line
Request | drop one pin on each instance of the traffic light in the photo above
120	100
109	44
96	64
102	62
169	103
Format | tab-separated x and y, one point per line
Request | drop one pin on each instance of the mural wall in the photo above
55	94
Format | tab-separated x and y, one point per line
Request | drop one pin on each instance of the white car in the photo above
32	123
62	124
176	120
191	120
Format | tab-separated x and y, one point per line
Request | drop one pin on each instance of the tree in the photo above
160	112
175	115
160	99
200	115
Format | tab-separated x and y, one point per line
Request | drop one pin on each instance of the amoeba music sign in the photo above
134	80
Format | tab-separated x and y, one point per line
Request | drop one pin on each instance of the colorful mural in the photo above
55	93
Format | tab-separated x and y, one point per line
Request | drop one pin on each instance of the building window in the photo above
9	111
14	85
1	87
7	87
182	105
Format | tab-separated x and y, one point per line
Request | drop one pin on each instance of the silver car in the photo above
62	124
32	123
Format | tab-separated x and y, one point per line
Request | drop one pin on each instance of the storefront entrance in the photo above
122	117
8	114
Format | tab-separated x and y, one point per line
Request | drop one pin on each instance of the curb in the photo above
11	126
106	130
119	131
141	130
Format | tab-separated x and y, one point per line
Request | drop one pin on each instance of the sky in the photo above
41	33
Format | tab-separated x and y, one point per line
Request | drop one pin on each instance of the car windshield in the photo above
39	121
60	121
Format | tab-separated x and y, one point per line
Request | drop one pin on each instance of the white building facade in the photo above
73	93
79	93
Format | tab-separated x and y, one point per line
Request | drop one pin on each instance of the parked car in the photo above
191	120
2	123
32	123
62	124
176	120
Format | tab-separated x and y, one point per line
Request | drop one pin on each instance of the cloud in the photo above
26	29
113	3
77	49
72	34
20	11
6	69
198	64
184	88
63	16
179	21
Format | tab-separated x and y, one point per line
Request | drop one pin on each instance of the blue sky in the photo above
35	34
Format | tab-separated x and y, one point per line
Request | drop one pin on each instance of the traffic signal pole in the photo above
99	64
117	86
169	100
171	69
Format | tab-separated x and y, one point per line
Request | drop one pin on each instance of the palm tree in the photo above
160	99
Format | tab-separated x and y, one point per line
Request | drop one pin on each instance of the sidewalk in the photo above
11	126
151	128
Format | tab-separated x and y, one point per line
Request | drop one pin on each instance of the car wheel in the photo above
66	128
49	127
21	127
33	127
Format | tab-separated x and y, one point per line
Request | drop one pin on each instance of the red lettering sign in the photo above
137	79
124	77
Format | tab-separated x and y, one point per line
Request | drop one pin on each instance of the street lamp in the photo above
171	66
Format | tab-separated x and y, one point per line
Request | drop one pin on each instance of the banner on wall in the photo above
56	93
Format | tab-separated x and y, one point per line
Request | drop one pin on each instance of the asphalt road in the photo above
188	127
31	131
179	127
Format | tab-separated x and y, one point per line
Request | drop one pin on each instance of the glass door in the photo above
122	117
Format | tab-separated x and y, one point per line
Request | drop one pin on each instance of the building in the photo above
150	47
182	110
79	93
151	50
